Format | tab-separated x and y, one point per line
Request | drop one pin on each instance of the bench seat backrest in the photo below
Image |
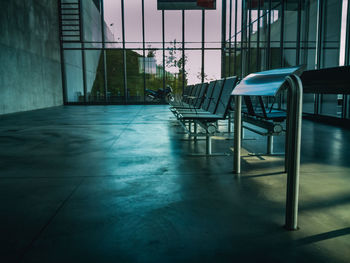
208	94
225	97
215	97
200	97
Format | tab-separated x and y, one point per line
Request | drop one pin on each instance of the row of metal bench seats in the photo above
207	102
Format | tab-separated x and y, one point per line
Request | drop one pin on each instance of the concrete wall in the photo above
30	71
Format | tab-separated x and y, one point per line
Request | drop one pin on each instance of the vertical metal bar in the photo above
82	39
229	120
319	47
163	41
347	45
183	51
297	62
104	62
223	39
258	39
63	68
229	40
124	55
243	39
144	50
319	36
345	106
268	44
235	58
237	135
195	131
203	39
282	34
295	91
269	144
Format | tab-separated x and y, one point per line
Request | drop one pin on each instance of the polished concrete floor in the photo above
117	184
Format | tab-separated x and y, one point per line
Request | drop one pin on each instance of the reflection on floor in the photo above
116	184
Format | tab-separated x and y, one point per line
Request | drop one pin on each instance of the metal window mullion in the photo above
163	42
203	39
143	50
235	57
229	41
258	39
249	33
305	48
347	41
124	55
297	61
223	39
282	34
319	36
319	47
82	49
243	37
268	40
183	51
104	57
63	68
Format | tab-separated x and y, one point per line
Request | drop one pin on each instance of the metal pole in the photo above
223	39
237	135
269	144
295	92
195	131
208	144
124	55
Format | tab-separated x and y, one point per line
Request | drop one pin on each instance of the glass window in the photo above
154	69
134	73
193	28
94	75
173	29
309	28
113	18
133	23
153	25
91	24
115	75
193	66
74	75
212	65
213	27
331	104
